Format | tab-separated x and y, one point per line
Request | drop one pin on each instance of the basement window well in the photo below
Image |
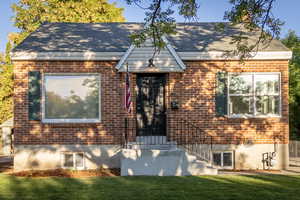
223	159
73	160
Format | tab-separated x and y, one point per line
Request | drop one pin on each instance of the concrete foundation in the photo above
50	156
162	163
108	156
249	156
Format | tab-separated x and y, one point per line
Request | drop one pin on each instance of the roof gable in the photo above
137	59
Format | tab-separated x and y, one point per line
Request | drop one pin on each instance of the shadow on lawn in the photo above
206	187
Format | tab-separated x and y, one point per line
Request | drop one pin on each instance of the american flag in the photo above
127	92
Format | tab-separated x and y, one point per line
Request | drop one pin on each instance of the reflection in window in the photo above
79	159
217	159
266	84
267	105
73	160
68	160
71	97
240	105
254	94
227	159
223	159
240	84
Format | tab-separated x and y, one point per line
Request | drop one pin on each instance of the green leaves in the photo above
254	16
29	14
251	15
6	92
159	19
292	41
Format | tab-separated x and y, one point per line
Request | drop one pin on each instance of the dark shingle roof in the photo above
113	37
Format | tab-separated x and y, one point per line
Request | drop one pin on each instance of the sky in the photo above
210	11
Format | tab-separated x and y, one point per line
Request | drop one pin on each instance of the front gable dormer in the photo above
137	59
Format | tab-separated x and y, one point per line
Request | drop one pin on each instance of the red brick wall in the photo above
194	90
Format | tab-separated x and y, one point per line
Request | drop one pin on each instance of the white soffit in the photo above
217	55
67	56
116	56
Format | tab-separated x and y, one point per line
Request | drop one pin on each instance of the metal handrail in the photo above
183	134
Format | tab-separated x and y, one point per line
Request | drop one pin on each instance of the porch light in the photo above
150	63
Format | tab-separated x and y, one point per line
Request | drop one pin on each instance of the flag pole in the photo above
125	102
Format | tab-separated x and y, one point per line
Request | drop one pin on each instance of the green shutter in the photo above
221	94
34	95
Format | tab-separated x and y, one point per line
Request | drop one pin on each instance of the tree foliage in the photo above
6	92
292	41
29	14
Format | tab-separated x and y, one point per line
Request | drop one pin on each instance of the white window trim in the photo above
45	120
255	115
74	160
222	163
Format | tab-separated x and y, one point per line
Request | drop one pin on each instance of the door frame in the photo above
165	78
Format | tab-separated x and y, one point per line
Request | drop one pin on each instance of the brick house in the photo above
192	102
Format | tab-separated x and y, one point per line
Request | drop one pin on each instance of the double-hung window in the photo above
71	98
254	95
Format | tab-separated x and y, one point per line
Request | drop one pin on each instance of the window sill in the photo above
71	125
70	121
223	167
253	116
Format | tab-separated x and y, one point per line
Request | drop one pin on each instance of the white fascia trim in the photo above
173	53
124	57
67	56
218	55
179	56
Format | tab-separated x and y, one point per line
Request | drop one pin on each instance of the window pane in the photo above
72	97
267	84
227	159
79	159
267	105
240	105
240	84
68	160
217	159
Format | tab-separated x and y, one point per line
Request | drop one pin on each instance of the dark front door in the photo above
150	104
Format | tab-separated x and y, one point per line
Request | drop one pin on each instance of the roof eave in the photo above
117	56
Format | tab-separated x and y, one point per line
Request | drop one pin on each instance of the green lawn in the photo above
142	188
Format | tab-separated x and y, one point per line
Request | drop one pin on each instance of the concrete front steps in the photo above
162	162
152	142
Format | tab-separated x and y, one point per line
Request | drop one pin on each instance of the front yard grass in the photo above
262	187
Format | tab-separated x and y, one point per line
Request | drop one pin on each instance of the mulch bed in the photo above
67	173
273	171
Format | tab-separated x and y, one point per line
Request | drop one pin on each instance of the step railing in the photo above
194	140
180	134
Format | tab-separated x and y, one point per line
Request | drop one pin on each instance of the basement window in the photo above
73	160
223	159
71	98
